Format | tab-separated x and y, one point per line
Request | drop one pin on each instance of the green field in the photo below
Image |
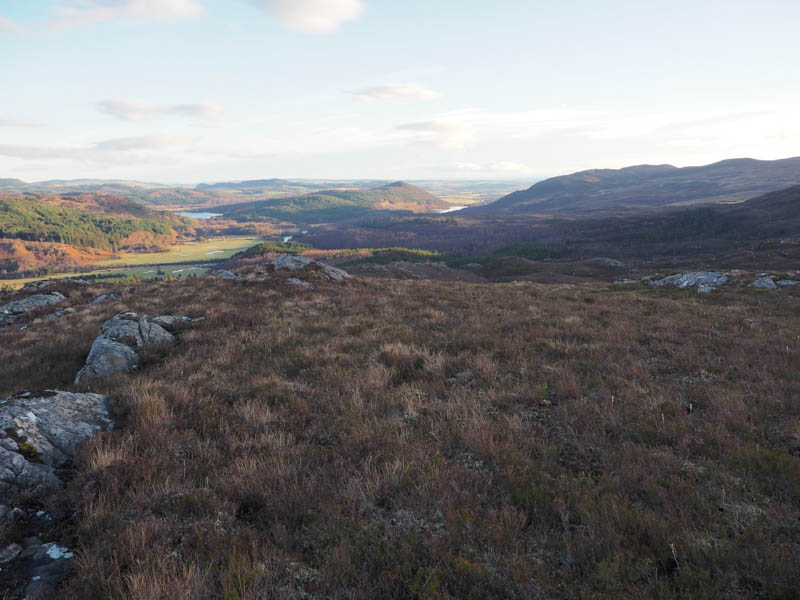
146	265
213	249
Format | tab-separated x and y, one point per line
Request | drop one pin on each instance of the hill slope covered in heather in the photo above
647	186
424	439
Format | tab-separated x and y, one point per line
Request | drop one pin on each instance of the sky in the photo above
184	91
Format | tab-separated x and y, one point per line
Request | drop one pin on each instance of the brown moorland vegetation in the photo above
423	439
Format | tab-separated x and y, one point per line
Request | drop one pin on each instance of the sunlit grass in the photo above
213	249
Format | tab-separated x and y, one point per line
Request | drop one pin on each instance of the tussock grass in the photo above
419	439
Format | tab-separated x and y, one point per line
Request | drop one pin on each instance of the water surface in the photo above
200	215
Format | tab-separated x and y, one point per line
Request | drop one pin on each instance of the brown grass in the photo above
417	439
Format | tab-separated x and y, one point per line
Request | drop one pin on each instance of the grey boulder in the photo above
687	280
291	263
320	270
39	434
18	307
115	350
764	283
223	274
105	297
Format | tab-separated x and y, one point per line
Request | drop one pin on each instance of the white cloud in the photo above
448	133
80	13
312	16
101	152
9	26
389	91
145	142
18	122
133	110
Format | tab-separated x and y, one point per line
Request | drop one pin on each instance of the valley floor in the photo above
146	264
427	439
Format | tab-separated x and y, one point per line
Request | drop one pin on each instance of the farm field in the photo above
146	265
212	249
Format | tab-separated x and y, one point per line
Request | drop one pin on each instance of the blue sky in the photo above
202	90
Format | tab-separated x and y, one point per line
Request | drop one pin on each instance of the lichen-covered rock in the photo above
223	274
115	350
44	566
107	357
105	298
688	280
764	282
291	263
318	269
18	307
171	323
39	434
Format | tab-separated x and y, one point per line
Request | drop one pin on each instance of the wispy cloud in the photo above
389	91
80	13
145	142
9	26
444	132
134	110
102	151
312	16
18	122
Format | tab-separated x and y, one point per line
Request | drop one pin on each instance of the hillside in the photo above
647	187
18	256
757	224
40	221
337	205
423	439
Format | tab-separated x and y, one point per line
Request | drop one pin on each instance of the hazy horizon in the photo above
197	91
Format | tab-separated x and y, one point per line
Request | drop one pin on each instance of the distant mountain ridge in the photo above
648	186
270	184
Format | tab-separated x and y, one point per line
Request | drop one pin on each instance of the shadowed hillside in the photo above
648	187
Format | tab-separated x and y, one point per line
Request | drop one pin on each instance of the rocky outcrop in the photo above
19	307
607	262
115	350
223	274
763	282
710	279
787	283
318	269
39	434
105	298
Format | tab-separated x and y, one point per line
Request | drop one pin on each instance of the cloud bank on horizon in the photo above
187	89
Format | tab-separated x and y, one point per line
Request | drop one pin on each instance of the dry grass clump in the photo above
415	439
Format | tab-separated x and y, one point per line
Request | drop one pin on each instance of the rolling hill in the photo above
337	205
647	186
38	221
